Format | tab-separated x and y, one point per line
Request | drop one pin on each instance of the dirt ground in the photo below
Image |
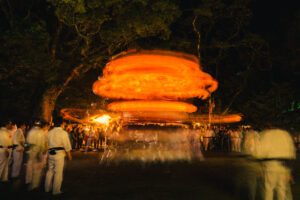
221	176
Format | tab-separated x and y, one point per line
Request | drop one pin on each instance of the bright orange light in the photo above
154	75
217	119
72	114
104	119
167	106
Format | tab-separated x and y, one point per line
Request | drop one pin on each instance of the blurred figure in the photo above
297	140
195	144
90	138
58	145
5	150
235	138
18	140
251	178
252	145
277	150
80	136
45	128
73	138
36	142
97	143
208	136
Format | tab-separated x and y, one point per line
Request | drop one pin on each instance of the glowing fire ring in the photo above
217	119
84	116
154	75
156	106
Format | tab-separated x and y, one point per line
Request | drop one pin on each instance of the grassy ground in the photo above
220	177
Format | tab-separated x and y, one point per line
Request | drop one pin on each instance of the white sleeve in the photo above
67	143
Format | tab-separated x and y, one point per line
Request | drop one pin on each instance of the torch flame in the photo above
104	119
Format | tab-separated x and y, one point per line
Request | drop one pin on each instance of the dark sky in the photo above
269	17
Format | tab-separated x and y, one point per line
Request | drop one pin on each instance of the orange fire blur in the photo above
154	75
103	119
72	114
156	106
217	119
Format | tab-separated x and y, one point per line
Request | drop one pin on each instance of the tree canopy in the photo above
53	50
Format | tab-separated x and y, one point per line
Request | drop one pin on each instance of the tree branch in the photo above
55	39
232	100
199	38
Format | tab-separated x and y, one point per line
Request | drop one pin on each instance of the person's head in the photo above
7	124
58	122
45	125
22	125
270	125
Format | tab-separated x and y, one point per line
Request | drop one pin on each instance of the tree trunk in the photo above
52	93
48	102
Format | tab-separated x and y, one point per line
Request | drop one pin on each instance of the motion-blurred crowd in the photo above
39	145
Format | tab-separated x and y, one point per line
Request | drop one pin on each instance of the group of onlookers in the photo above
229	139
40	145
87	137
35	146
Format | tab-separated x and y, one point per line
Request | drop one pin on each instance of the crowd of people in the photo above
37	146
43	148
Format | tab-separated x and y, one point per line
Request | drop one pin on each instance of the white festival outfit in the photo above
207	139
37	147
235	138
58	144
276	147
18	140
5	153
90	138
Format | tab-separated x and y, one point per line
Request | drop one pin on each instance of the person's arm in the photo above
69	155
67	146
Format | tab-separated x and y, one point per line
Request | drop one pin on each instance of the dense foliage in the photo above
53	50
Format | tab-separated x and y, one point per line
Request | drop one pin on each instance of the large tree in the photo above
56	41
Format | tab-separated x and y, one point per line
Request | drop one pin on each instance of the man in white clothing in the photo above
235	139
37	148
208	139
276	151
58	145
18	148
5	150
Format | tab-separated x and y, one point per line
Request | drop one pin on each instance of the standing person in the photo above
80	136
73	134
5	150
37	147
90	138
97	139
195	144
277	150
250	180
234	139
102	138
18	140
58	145
207	139
240	132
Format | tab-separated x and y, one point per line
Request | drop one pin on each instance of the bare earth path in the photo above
217	178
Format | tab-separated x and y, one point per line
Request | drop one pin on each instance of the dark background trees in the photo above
54	50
